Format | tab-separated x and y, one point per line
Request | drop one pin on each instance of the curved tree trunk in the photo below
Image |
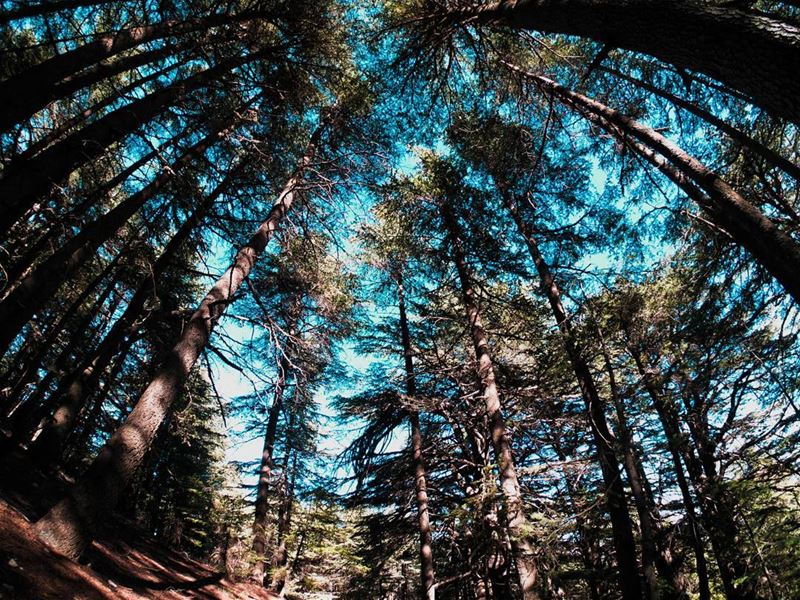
774	249
501	443
29	182
616	504
22	95
75	389
752	53
72	84
738	136
70	525
427	575
38	287
45	7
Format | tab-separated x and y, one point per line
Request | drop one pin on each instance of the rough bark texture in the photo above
617	506
32	180
38	287
264	474
732	132
427	575
515	510
752	53
777	251
22	94
74	390
69	526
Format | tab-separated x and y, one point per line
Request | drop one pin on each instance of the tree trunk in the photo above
70	85
501	442
90	423
427	576
69	526
75	389
657	556
23	186
721	534
32	355
24	422
774	249
280	557
752	53
46	7
616	504
265	468
21	94
756	147
39	286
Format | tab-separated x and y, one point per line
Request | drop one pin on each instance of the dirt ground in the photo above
125	566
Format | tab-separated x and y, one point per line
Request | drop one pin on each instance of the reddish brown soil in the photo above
122	565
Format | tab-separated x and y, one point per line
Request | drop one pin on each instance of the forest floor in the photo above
121	565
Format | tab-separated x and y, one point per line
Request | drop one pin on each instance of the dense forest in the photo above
394	300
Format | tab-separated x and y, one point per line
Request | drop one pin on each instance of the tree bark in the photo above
752	53
66	125
774	249
616	504
26	419
265	471
32	87
33	353
280	557
70	525
70	85
38	287
75	389
29	182
427	575
46	7
756	147
515	510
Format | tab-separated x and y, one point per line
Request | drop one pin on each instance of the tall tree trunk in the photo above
280	557
32	181
501	442
40	285
616	504
76	214
89	424
750	228
22	94
32	355
265	472
657	556
752	53
69	526
46	7
721	534
756	147
26	419
75	388
427	576
70	85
